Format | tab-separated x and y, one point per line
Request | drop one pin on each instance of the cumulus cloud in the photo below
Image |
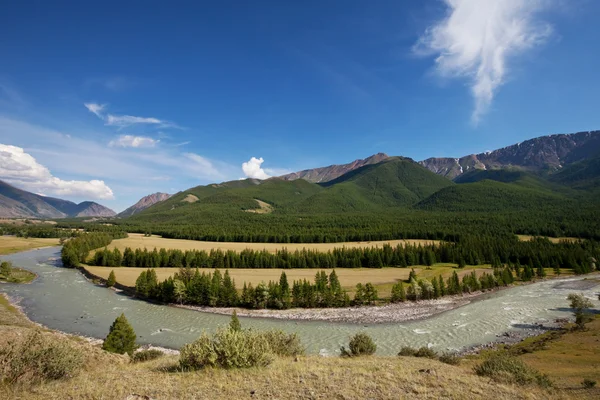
476	39
21	169
252	169
133	141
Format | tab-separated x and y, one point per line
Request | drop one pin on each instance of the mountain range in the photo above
549	169
17	203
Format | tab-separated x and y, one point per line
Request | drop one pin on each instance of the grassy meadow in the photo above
139	241
13	244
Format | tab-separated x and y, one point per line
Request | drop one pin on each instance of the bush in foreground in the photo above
449	358
121	337
146	355
360	344
283	344
37	358
504	368
228	348
588	383
424	352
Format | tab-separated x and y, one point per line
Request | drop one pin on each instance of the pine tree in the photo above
121	337
235	324
112	279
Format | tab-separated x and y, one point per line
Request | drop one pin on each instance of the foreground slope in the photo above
110	376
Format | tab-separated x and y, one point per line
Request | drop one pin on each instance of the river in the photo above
64	300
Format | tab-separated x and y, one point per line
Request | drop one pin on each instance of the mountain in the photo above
326	174
394	182
543	154
17	203
144	203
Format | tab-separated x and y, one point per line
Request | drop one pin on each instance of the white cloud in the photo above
123	121
95	108
253	170
133	141
21	169
476	39
128	120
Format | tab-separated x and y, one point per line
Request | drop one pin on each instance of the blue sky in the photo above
117	100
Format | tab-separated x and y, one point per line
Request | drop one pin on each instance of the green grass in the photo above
18	275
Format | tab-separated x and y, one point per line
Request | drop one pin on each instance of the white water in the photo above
63	299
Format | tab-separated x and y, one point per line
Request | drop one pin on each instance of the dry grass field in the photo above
106	376
138	241
382	278
13	244
525	238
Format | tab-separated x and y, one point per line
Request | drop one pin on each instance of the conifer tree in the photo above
121	337
112	279
235	324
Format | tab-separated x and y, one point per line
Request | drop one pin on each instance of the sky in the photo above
112	101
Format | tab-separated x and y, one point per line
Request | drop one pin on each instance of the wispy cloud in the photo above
133	141
95	108
252	169
124	121
476	39
21	169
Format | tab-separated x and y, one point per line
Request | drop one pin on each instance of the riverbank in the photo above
389	313
110	376
13	307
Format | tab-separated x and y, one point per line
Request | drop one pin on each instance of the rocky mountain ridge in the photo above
546	153
144	203
326	174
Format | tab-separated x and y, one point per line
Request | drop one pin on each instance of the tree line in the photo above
536	254
214	289
77	249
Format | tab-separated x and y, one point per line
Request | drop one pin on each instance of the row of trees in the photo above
77	249
579	256
219	290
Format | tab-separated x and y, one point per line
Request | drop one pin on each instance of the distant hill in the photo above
543	154
326	174
17	203
144	203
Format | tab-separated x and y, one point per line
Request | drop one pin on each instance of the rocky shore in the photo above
390	313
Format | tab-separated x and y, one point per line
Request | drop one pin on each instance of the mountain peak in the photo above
144	203
326	174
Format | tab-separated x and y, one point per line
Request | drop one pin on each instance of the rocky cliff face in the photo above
144	203
543	153
326	174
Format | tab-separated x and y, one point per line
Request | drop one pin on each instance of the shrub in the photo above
227	349
588	383
146	355
361	344
121	337
426	352
502	367
407	351
284	344
36	358
449	358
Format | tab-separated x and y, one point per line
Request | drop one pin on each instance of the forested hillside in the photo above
394	199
